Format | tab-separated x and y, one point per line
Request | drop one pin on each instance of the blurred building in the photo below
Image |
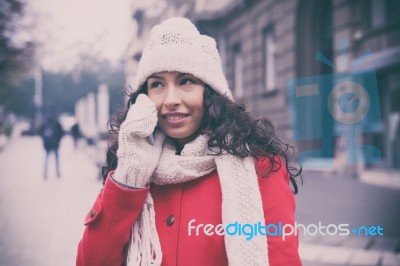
266	43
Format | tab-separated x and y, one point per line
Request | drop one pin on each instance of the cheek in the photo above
198	106
156	100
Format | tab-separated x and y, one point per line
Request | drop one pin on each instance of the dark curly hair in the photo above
222	117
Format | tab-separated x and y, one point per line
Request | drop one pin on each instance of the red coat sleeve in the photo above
108	225
279	206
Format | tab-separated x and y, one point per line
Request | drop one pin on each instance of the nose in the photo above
172	98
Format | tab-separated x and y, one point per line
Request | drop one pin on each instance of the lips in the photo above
175	117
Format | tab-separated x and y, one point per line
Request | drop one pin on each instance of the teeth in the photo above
174	117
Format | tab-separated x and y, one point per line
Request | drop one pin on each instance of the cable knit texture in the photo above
177	45
241	199
135	167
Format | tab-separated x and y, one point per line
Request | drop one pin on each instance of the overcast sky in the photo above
69	27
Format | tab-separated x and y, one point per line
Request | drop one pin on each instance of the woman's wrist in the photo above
125	185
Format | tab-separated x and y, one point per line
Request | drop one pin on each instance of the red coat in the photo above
109	223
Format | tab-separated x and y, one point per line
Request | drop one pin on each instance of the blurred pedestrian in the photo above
186	160
76	133
51	132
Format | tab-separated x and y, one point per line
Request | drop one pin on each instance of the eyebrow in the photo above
184	74
155	76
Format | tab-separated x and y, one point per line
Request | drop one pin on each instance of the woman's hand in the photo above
137	158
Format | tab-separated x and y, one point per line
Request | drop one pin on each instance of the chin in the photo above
178	135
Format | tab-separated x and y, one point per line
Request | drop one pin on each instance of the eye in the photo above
187	81
155	84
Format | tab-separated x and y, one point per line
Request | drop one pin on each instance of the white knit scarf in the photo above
241	202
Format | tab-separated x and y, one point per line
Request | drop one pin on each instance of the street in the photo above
41	221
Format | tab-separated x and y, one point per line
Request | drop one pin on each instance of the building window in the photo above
269	60
392	11
238	57
377	13
384	12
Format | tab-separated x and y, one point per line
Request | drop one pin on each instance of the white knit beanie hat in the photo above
177	45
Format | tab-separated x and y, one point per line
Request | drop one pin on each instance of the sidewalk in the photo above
336	200
379	178
41	221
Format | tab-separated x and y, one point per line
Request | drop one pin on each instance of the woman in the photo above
191	169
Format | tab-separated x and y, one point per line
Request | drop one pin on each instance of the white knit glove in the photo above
137	158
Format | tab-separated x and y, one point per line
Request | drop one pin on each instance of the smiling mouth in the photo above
174	117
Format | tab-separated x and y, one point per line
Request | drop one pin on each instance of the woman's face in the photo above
179	101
